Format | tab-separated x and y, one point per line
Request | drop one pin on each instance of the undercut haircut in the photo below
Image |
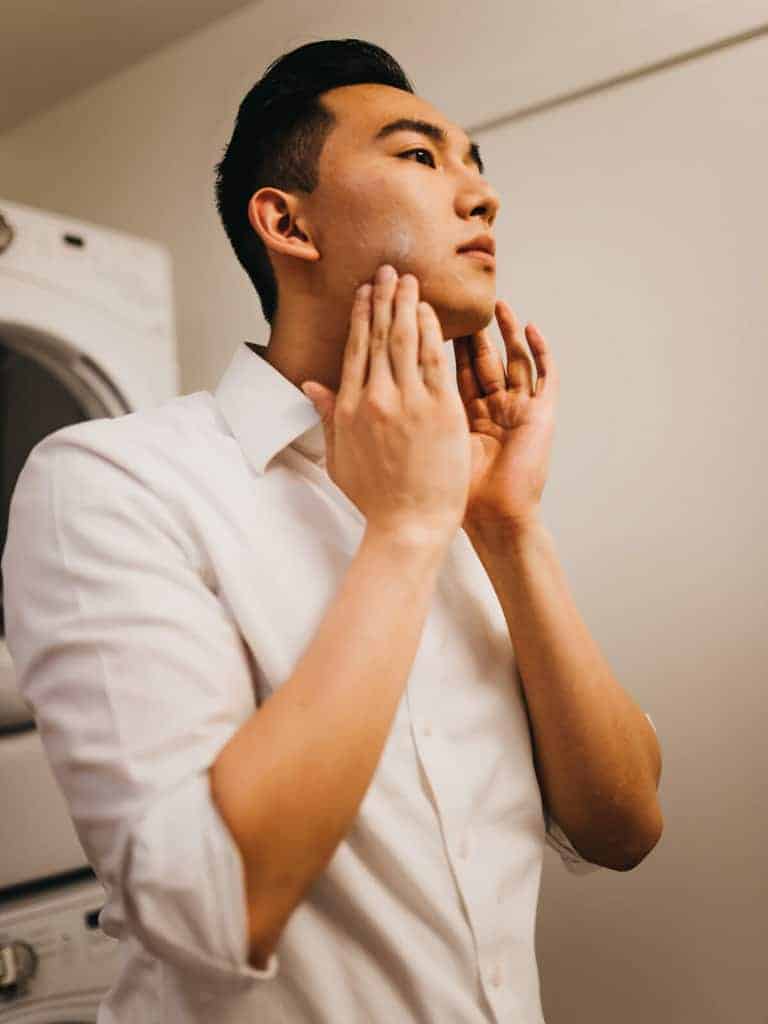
281	126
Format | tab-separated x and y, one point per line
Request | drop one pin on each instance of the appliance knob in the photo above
6	233
18	963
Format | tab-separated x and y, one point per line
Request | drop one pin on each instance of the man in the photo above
314	758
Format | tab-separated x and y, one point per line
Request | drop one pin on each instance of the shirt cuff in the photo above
569	855
183	888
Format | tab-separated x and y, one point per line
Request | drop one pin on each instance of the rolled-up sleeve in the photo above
569	855
137	677
561	844
184	897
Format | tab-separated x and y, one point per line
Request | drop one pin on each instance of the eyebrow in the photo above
432	131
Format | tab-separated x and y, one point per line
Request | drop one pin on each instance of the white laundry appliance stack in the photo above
86	331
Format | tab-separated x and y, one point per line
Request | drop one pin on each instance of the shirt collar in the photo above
265	411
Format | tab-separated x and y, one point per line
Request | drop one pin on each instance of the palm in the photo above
511	424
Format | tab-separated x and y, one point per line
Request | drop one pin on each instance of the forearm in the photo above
597	756
290	781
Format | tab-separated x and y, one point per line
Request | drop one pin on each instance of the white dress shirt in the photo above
164	571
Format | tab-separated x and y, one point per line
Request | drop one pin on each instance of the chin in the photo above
456	321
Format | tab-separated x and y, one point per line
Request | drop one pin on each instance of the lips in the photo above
479	254
481	243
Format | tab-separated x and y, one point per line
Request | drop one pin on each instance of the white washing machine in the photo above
86	331
56	964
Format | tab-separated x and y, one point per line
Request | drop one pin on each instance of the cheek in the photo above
379	232
396	241
371	223
361	198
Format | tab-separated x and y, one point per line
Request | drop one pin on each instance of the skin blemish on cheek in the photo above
398	243
401	245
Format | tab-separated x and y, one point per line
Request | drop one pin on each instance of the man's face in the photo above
379	202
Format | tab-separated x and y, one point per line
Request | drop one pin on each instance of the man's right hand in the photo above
396	433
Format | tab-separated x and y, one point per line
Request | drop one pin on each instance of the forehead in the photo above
362	109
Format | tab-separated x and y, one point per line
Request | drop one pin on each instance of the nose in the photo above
478	197
489	207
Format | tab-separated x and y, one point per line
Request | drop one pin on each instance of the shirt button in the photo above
427	729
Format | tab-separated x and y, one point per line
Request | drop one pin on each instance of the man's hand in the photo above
511	423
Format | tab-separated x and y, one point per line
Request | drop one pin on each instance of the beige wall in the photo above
633	232
137	151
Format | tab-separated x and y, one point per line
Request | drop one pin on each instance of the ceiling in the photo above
51	49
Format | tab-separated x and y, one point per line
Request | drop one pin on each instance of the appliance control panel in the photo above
126	275
51	946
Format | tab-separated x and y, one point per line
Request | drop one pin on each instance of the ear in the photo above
275	216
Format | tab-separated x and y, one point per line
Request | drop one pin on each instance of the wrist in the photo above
412	538
507	531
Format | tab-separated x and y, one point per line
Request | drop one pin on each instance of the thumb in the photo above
324	401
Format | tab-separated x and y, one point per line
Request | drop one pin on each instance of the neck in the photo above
307	342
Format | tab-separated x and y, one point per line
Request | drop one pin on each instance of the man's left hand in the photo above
511	423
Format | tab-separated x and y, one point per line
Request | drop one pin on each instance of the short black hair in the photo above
279	133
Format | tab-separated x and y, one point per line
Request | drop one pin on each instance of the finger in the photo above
355	362
548	379
519	363
437	373
404	335
380	375
487	363
469	386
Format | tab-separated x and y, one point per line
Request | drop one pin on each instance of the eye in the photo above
420	150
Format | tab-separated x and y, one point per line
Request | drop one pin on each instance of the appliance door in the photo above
71	1013
45	384
40	840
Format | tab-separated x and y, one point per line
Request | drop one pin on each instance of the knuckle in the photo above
377	406
418	407
345	412
399	335
403	327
